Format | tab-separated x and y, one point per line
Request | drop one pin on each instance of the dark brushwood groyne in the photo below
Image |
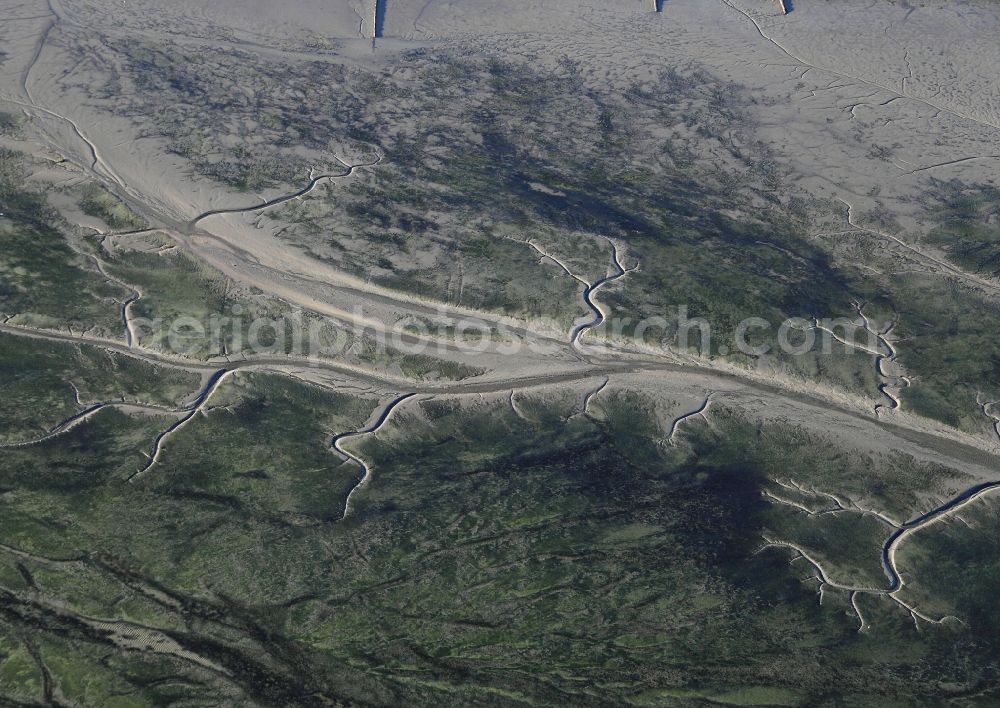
378	18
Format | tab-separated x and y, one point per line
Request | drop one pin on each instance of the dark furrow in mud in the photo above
277	201
193	408
335	444
588	293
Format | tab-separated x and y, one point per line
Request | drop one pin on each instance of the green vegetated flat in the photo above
947	326
952	337
40	381
952	570
178	292
967	226
97	201
52	280
188	308
550	558
44	282
486	152
725	244
10	123
501	552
